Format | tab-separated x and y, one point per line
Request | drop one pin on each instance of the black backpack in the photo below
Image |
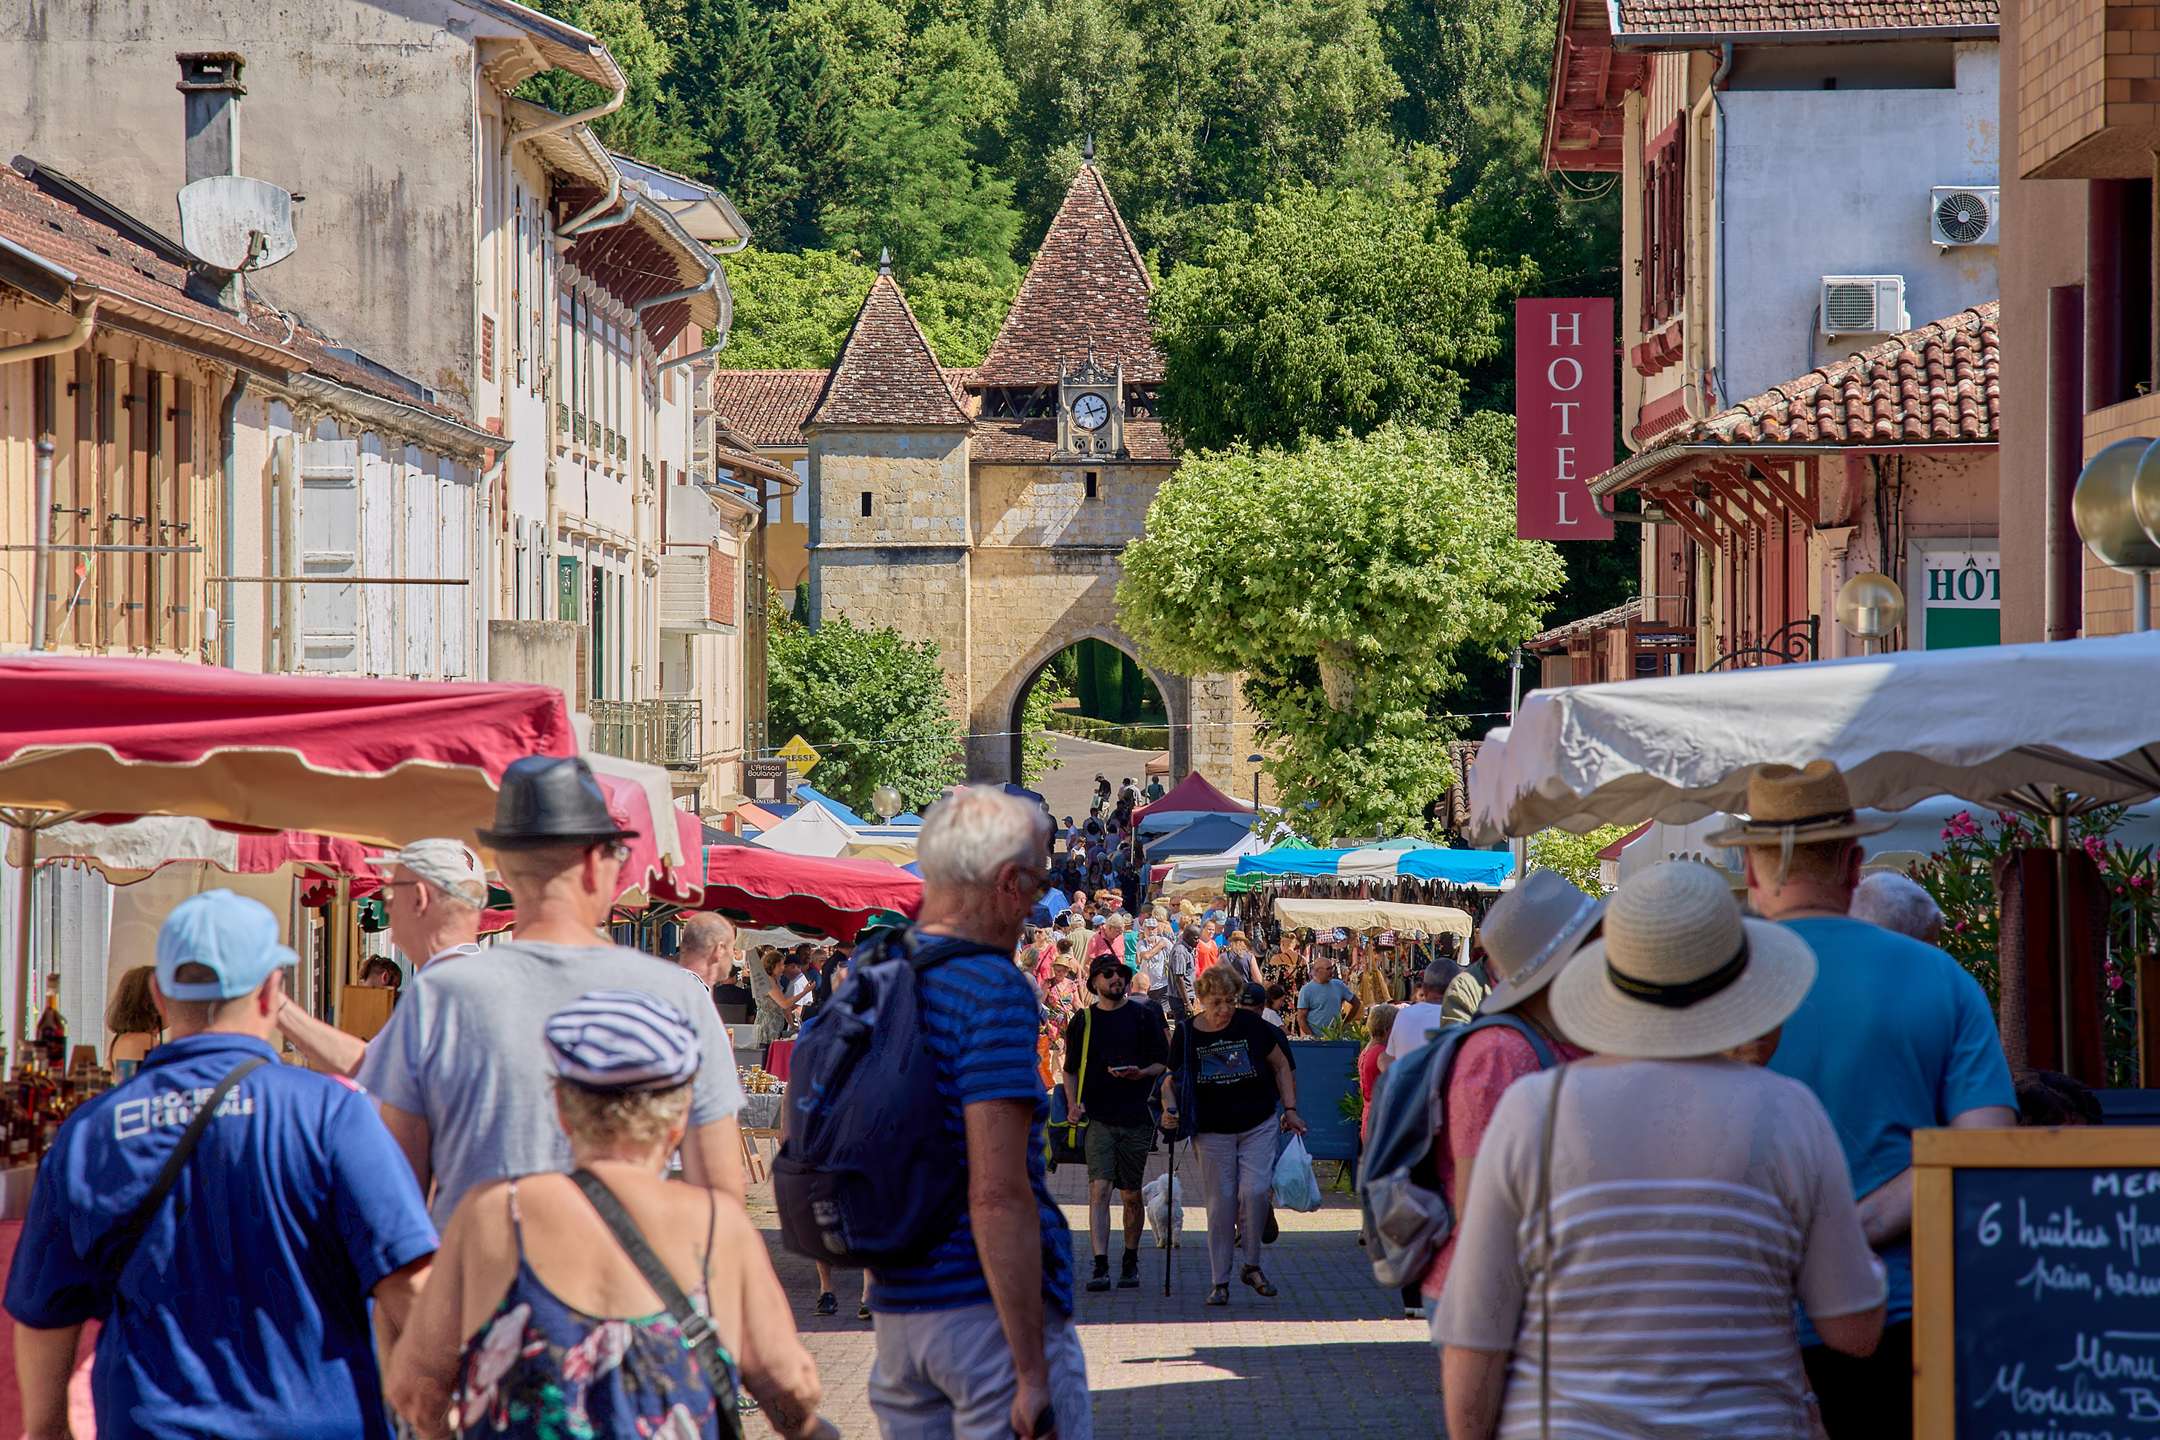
868	1173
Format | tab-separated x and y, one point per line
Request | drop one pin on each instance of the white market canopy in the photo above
2008	727
1373	915
811	830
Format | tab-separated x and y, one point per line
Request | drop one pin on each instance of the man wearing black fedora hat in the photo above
462	1078
1894	1036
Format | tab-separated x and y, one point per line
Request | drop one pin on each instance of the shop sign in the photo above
1954	594
1563	417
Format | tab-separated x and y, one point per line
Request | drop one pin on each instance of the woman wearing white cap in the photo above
1641	1222
608	1301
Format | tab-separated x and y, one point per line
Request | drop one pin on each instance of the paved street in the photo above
1329	1357
1069	786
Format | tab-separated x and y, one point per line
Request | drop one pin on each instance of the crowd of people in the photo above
1672	1149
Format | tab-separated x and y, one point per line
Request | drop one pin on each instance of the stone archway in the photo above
993	752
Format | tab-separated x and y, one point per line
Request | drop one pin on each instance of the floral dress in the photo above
544	1370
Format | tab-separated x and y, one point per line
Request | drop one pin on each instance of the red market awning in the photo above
1195	793
651	873
126	849
381	761
806	893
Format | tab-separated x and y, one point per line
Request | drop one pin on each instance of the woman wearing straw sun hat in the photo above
1671	1203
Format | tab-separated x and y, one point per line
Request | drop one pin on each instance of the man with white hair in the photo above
707	948
433	898
976	1339
1898	902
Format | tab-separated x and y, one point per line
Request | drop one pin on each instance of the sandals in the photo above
1254	1276
1220	1295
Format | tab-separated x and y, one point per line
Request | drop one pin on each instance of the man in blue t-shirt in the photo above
1893	1037
243	1309
976	1341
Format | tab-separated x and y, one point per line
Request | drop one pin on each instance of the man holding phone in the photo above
1115	1051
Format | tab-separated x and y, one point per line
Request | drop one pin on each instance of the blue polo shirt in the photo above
244	1312
1894	1036
980	1018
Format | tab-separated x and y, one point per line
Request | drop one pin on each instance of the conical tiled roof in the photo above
1086	292
886	373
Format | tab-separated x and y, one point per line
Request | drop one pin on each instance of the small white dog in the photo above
1164	1198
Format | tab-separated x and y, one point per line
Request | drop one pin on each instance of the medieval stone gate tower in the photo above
988	509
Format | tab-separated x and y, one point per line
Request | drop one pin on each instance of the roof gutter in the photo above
584	226
71	339
561	123
1635	467
1709	39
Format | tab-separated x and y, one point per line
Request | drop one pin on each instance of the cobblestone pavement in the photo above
1329	1358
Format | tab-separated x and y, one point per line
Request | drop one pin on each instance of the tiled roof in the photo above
886	374
1603	620
1742	17
146	282
768	408
1940	383
1031	442
137	277
1086	293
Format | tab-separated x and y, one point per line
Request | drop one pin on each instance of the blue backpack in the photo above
1407	1218
868	1173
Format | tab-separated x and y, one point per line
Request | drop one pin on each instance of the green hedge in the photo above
1132	737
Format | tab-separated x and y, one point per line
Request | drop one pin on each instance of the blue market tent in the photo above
1487	868
805	795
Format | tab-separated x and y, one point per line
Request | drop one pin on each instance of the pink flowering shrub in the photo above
1961	877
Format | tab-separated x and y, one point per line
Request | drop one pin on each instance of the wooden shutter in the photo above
110	521
454	602
85	500
381	651
329	546
179	527
423	540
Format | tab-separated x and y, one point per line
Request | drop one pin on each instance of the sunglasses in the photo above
616	850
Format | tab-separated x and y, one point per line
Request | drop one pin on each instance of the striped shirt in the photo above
1693	1202
981	1019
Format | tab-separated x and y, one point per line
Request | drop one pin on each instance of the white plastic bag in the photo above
1296	1187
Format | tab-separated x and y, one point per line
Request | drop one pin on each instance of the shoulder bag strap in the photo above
1087	1033
698	1335
1552	1123
131	1231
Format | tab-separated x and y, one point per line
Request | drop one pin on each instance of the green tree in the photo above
873	703
726	94
1368	566
639	34
1574	857
792	312
1038	751
960	304
913	181
1333	311
1198	107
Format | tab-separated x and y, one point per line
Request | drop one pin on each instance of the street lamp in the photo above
1871	606
2116	507
886	801
1256	759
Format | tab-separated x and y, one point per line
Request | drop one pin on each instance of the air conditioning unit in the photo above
1965	215
1864	305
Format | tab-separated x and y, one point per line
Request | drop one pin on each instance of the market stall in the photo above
806	894
1362	915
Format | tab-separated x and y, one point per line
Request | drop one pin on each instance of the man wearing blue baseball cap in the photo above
227	1217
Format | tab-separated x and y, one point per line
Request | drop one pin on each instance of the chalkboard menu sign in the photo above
2037	1284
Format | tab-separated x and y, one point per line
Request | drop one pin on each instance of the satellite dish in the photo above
222	216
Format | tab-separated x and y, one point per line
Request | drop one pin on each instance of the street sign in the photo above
801	758
766	781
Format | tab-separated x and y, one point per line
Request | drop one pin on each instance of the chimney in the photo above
211	90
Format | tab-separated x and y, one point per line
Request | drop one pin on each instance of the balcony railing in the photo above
657	732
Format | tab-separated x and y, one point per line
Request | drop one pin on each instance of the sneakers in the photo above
862	1311
1129	1271
1100	1280
827	1304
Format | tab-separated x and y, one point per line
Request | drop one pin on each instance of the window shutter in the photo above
382	651
423	536
329	545
455	559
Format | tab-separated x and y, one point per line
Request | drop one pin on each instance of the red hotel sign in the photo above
1563	417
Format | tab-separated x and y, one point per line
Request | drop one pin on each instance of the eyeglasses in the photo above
1033	882
616	850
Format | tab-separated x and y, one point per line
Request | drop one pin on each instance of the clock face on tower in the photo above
1090	411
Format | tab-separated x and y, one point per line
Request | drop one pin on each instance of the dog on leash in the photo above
1164	1199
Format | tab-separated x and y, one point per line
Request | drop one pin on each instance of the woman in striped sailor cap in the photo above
537	1320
